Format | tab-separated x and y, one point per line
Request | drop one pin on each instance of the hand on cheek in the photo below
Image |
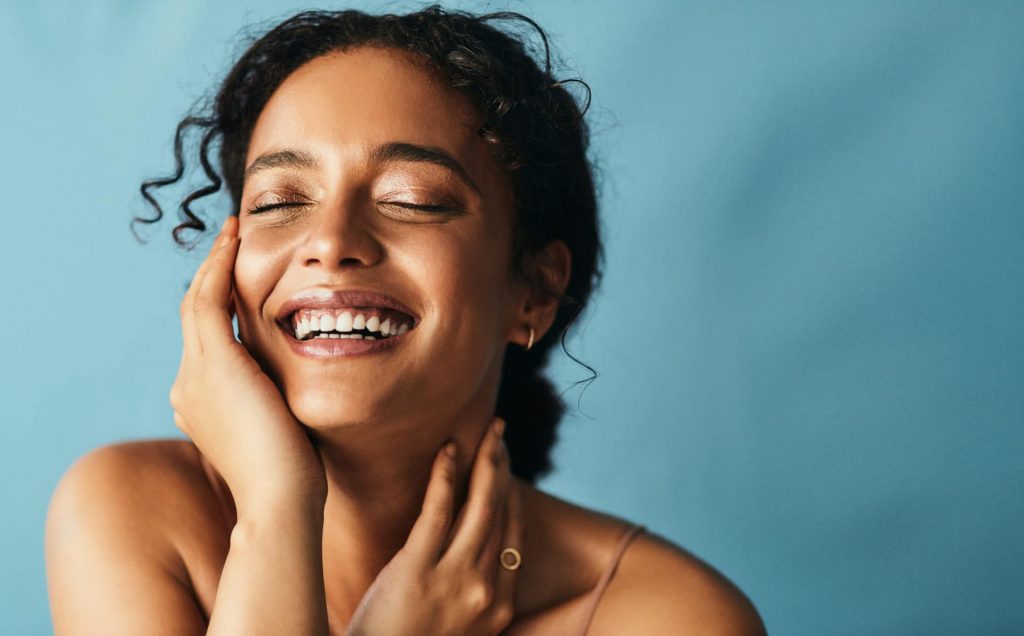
224	402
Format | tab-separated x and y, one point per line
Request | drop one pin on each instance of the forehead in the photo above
347	102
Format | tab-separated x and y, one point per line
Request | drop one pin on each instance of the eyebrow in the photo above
292	159
389	152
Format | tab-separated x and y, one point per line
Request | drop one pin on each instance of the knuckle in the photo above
174	395
502	614
179	395
479	595
179	422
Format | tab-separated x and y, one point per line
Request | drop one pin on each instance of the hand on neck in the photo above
377	476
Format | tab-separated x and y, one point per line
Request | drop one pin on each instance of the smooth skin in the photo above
348	517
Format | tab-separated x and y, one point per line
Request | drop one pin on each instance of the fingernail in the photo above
449	449
499	426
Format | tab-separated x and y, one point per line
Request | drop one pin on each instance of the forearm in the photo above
272	581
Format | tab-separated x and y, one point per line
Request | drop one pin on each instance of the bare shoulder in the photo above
110	541
141	477
660	588
657	588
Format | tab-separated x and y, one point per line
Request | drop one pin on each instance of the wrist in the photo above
297	505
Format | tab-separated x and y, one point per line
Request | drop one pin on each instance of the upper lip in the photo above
325	297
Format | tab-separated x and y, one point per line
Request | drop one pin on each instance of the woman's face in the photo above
348	145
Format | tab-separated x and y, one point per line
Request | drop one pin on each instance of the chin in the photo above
328	407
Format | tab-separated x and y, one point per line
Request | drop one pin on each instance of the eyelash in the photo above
272	206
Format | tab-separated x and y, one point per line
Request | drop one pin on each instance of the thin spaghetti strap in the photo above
632	530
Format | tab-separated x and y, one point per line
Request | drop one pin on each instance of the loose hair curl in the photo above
534	126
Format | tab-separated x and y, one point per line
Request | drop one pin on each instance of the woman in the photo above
415	228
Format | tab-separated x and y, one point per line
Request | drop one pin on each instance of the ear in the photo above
548	272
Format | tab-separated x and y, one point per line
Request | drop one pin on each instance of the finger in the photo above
482	503
190	341
212	322
192	346
427	536
487	563
227	229
504	587
504	604
460	518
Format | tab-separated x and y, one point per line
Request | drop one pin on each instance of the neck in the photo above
377	476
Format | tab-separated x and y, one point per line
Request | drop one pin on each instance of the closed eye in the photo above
429	207
273	206
276	205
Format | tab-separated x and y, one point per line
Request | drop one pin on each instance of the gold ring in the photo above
515	555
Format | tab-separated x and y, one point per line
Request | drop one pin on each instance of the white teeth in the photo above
344	322
326	325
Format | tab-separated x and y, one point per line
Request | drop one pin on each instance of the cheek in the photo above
251	267
256	269
466	277
471	266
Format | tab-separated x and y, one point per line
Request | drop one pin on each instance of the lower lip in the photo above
326	348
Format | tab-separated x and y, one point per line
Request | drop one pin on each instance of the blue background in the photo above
809	337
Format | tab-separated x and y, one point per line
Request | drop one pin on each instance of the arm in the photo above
273	581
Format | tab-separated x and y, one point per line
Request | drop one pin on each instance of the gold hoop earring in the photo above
529	345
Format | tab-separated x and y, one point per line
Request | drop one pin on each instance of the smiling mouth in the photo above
355	323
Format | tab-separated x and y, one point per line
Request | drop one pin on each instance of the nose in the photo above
341	236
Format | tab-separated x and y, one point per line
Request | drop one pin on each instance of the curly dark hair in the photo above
536	131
